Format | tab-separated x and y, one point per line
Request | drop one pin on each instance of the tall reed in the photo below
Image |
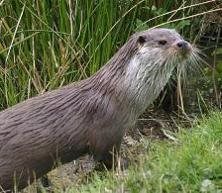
48	43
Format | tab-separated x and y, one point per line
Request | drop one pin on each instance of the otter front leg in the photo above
106	146
108	157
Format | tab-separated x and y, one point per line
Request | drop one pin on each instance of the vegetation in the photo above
46	44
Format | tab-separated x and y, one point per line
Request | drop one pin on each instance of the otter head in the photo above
163	45
158	52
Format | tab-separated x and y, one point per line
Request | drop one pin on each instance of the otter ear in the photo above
141	39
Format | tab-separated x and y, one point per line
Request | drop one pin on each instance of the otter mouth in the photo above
184	50
188	60
185	54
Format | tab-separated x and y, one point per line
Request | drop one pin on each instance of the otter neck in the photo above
144	80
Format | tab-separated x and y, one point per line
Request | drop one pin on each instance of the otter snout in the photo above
183	46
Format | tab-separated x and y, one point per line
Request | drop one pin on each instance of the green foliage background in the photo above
48	43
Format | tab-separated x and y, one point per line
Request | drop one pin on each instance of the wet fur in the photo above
86	117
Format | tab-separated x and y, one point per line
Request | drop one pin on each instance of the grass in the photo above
190	164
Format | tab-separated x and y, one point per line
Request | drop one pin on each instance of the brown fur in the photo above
86	117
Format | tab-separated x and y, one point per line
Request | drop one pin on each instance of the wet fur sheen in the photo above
86	117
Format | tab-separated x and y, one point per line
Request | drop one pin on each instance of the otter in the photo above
90	116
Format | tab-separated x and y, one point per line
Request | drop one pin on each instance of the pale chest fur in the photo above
144	80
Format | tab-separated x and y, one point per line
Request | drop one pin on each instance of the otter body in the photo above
90	116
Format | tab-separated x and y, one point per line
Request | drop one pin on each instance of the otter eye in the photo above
162	42
142	39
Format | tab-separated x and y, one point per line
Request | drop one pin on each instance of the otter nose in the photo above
183	45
